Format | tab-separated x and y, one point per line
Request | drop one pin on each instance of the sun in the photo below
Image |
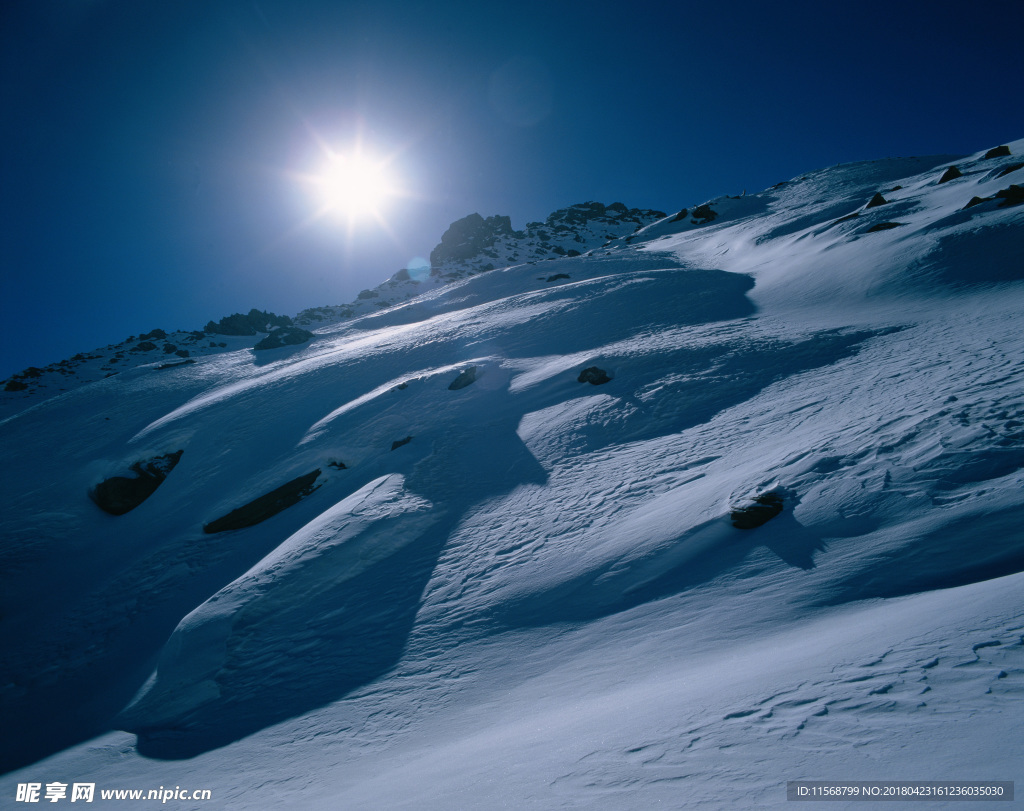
355	185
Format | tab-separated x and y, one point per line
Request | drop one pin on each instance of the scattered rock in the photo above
883	226
1011	196
682	215
176	364
182	353
169	349
703	214
974	201
337	464
398	443
155	335
572	252
594	376
145	346
256	321
1013	167
952	173
558	276
266	506
15	385
997	152
466	376
285	336
877	200
765	507
121	494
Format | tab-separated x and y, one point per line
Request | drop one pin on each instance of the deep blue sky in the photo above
149	148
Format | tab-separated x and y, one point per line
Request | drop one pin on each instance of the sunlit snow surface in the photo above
539	600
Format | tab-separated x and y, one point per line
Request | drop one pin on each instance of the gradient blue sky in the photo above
149	149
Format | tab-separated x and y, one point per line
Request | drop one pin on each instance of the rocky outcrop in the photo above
465	378
398	443
256	321
1011	196
763	509
121	494
997	152
467	237
1013	167
285	336
877	200
594	376
883	226
703	214
952	173
266	506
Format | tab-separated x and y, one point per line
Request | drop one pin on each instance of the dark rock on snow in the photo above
1011	196
765	507
467	237
1013	167
594	376
998	152
558	276
877	200
466	376
256	321
883	226
285	336
266	506
398	443
703	214
952	173
120	494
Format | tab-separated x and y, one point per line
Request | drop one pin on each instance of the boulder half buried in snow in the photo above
266	506
765	507
466	376
594	376
121	494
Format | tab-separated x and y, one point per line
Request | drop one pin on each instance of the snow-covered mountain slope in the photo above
481	547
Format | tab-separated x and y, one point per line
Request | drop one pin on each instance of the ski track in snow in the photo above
527	592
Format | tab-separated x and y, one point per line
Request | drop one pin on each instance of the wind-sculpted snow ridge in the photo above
517	580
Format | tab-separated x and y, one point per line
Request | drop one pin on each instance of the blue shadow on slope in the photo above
298	657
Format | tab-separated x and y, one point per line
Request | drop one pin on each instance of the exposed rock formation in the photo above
285	336
120	494
594	376
266	506
469	236
765	507
877	200
466	376
952	173
256	321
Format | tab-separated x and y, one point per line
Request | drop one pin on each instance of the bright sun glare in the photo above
355	185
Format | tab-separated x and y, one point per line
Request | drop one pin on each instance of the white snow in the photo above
539	600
